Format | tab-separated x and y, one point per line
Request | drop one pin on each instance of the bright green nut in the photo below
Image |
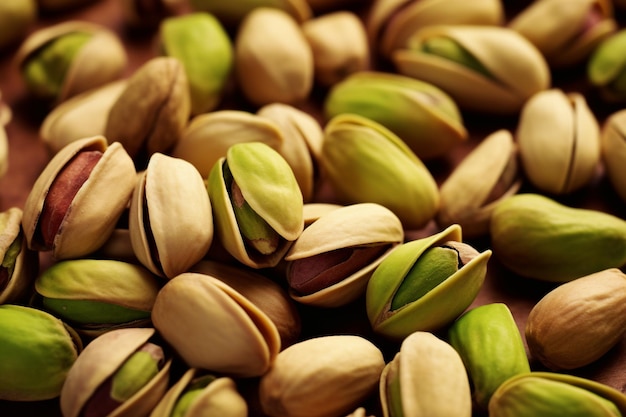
450	49
491	346
134	374
16	16
606	67
37	351
191	393
200	42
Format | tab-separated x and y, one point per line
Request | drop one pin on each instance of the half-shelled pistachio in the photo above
16	18
151	113
233	13
330	263
484	177
365	162
62	60
202	45
488	69
18	264
37	352
170	219
422	115
606	67
123	372
425	378
199	394
78	198
213	327
425	284
558	139
565	31
273	60
613	150
321	376
97	295
257	204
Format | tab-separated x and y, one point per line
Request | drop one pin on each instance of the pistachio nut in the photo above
321	376
263	292
19	265
198	394
231	335
331	262
558	138
313	211
233	13
123	372
613	150
257	204
606	67
365	162
425	378
551	394
422	115
61	5
302	144
4	151
170	219
79	117
390	24
148	14
201	43
5	112
151	113
577	322
537	237
16	18
118	246
339	44
97	295
35	363
208	136
485	176
491	346
78	198
565	31
62	60
424	284
273	65
488	69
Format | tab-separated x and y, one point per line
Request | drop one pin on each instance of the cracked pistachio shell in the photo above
99	361
170	219
97	295
37	352
202	45
613	144
426	378
231	335
321	376
484	177
151	113
365	162
233	13
366	228
565	31
273	60
269	187
207	396
558	139
4	150
551	395
313	211
422	115
439	306
99	60
16	18
490	343
81	116
92	213
391	23
540	238
302	144
208	136
19	265
512	69
606	67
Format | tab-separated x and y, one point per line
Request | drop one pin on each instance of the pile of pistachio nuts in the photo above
270	216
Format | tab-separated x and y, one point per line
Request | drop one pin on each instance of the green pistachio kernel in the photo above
192	391
8	263
135	373
450	49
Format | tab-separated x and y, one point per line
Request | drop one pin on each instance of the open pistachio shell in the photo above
232	13
351	230
313	211
487	175
437	307
513	68
566	31
170	219
613	143
213	327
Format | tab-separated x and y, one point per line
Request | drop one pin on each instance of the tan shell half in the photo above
4	151
356	225
517	68
313	211
613	143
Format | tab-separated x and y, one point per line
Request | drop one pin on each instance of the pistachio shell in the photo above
232	13
613	150
16	18
5	114
313	211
